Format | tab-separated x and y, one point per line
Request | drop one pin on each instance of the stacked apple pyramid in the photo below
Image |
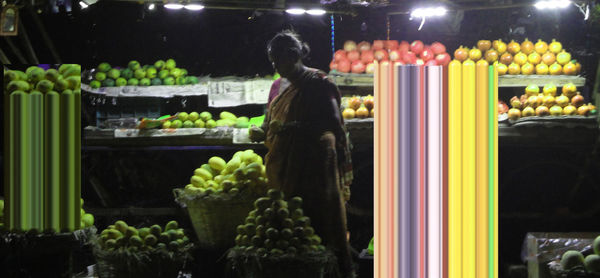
277	227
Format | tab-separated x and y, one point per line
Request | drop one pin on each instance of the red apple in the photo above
333	65
339	55
431	62
404	46
367	56
349	46
391	44
353	55
363	46
417	47
344	65
438	48
427	55
358	67
443	59
377	45
394	55
370	68
381	55
409	58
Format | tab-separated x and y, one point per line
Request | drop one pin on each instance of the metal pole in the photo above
15	50
45	36
27	43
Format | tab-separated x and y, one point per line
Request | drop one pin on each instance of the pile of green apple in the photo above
36	79
276	227
205	120
160	73
245	171
87	219
121	236
573	259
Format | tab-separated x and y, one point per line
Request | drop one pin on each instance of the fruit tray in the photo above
540	80
562	121
351	79
556	271
151	91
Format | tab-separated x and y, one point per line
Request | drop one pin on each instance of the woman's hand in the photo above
256	134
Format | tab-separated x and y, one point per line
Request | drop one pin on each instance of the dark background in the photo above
534	177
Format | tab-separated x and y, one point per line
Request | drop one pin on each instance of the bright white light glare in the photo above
194	7
316	12
295	11
83	5
174	6
552	4
428	12
151	7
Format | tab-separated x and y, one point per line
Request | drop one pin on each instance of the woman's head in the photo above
286	51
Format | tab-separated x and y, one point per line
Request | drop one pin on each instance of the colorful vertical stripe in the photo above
436	171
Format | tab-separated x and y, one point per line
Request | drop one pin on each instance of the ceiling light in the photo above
552	4
428	12
316	12
295	11
151	6
194	7
173	6
83	5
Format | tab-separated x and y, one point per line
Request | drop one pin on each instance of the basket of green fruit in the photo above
573	263
124	251
220	195
277	240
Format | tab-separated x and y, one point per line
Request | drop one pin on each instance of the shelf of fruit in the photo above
199	129
520	65
354	65
545	107
164	79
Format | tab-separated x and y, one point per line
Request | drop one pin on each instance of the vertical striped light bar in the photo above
434	83
468	122
455	183
8	153
414	173
379	227
494	111
20	187
444	116
52	161
36	201
405	164
67	185
481	167
422	164
77	157
394	168
385	164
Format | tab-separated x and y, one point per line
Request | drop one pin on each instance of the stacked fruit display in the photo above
160	73
121	236
575	260
87	219
67	77
244	171
525	58
205	120
533	103
357	107
276	227
359	58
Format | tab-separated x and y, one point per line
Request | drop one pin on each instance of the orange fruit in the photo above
555	47
514	68
534	58
348	113
570	69
527	47
527	69
513	47
520	58
475	54
541	47
555	69
548	58
502	69
541	69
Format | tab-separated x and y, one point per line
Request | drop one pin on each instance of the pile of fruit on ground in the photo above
277	227
244	171
36	79
359	58
160	73
358	107
525	58
205	120
121	236
573	259
546	103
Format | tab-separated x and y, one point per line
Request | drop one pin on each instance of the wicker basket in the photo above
144	264
216	217
313	265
